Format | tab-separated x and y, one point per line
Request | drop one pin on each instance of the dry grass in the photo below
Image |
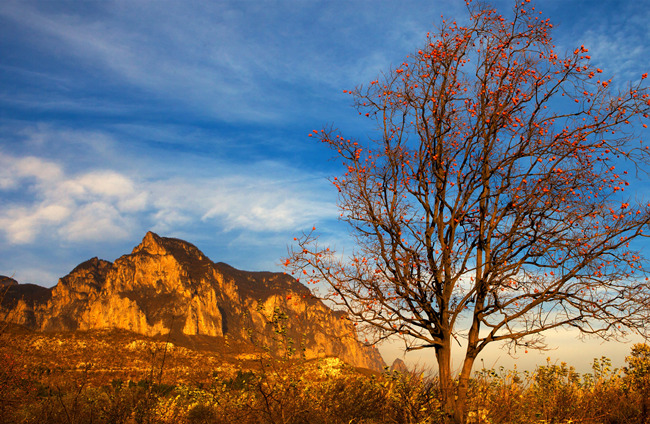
117	379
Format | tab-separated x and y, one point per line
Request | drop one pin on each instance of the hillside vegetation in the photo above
119	377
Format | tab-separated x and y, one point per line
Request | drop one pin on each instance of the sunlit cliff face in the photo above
167	285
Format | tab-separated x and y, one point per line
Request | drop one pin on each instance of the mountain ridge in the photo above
168	286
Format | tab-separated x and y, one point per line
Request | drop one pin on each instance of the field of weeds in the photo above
322	391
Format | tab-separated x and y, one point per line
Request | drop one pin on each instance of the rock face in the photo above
168	286
399	366
7	281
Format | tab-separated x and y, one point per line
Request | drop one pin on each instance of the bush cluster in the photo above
328	391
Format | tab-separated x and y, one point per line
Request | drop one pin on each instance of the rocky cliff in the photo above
167	286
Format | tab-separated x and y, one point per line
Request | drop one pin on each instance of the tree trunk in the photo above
453	394
447	385
463	387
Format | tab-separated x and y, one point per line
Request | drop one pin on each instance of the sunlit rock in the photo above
167	286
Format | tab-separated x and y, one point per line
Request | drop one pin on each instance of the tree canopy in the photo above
493	202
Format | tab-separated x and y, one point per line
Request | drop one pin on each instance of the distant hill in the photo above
168	287
7	281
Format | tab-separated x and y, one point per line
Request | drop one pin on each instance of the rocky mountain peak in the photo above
184	252
168	286
399	366
152	244
93	271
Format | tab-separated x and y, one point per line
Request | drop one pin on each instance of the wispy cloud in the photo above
192	66
268	205
616	34
256	201
110	205
620	53
230	60
197	56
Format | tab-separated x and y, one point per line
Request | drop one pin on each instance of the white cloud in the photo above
167	219
78	207
14	170
109	205
268	207
617	43
36	167
619	55
22	224
97	221
77	143
243	202
114	186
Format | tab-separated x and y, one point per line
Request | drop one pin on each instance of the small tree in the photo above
491	204
637	375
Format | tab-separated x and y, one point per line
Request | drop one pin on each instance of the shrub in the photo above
323	391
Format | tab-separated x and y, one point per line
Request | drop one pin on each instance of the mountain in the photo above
168	287
7	281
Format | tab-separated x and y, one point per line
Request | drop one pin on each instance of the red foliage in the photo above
488	206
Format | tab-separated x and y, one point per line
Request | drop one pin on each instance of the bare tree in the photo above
491	205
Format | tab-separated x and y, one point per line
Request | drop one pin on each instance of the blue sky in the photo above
190	118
